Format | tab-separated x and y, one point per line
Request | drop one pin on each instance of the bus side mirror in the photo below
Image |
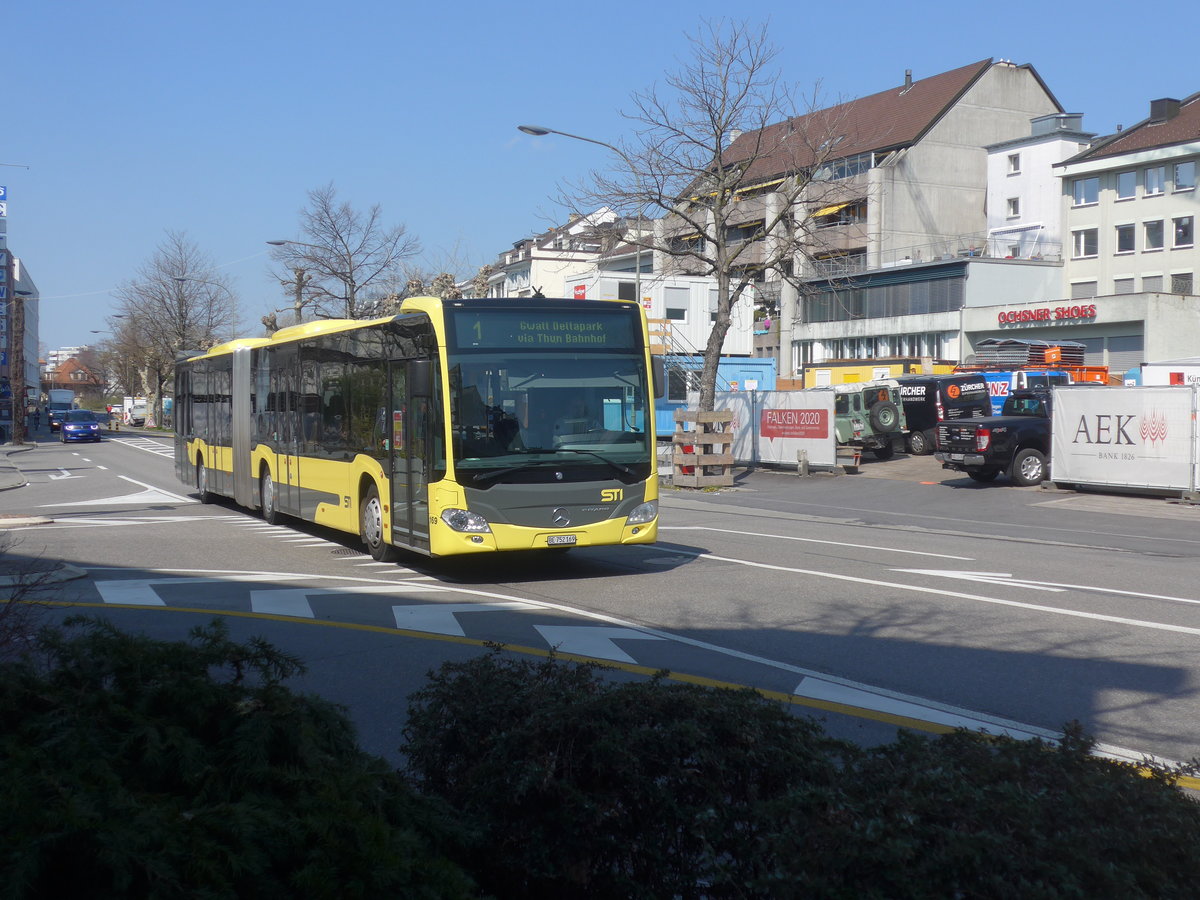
658	373
420	378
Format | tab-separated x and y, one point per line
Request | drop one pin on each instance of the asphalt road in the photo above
903	595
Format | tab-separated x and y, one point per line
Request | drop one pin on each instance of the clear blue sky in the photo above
216	118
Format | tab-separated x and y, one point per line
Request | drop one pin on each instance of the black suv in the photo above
930	399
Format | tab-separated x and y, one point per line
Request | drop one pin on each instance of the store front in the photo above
1120	331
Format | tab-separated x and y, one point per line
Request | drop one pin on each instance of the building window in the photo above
1083	290
1085	243
1183	232
1155	177
1125	239
677	314
1087	190
1154	235
1014	207
1014	163
1185	176
1152	283
1126	185
1122	285
1181	284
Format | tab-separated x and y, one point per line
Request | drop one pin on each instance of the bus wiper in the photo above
624	470
488	477
500	473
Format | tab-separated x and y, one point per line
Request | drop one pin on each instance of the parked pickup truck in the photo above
1016	442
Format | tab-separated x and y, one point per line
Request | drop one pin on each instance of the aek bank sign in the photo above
1124	437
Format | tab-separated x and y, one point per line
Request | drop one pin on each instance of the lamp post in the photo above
540	131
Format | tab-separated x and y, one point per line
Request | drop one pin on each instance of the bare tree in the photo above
343	259
178	301
733	164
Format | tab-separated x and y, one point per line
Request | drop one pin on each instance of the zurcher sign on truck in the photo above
1126	437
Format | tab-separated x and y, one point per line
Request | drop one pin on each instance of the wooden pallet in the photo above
703	454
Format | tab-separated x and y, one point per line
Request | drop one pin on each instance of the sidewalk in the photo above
10	475
24	571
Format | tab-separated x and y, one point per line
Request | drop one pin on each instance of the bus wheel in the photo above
202	482
266	498
370	526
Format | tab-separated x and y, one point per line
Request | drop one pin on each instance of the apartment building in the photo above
907	196
1024	220
1128	204
547	261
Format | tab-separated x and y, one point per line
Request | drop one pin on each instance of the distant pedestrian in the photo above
37	419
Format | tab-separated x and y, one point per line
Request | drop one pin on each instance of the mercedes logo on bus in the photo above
559	518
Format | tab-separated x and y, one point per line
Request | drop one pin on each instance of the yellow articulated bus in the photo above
457	426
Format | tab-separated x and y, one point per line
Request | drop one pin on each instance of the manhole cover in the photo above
346	551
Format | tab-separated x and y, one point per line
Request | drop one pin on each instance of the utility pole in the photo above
16	364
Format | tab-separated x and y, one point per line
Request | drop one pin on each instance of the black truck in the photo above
1016	442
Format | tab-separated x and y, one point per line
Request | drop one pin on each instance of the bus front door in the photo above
410	419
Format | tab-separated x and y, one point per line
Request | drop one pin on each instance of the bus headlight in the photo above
646	512
465	520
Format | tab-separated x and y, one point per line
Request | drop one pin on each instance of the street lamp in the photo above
540	131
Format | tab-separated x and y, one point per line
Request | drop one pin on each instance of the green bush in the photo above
138	768
575	786
579	787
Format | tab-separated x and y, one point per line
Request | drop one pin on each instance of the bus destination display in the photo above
527	329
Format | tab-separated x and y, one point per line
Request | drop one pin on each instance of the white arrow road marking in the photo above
151	494
1002	578
819	689
65	474
987	578
438	618
593	640
785	537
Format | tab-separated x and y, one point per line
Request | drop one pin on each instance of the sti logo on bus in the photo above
612	495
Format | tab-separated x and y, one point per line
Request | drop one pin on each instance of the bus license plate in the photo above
554	539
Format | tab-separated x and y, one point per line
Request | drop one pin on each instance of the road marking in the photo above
979	721
439	618
140	591
982	721
1003	578
592	640
820	689
292	603
987	578
784	537
150	487
65	474
897	586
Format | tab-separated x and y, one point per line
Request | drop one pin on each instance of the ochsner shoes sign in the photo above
1125	436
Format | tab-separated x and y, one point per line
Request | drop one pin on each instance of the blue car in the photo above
79	425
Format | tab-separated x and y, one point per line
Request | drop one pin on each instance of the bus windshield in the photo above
524	410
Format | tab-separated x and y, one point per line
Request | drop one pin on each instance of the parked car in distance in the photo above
931	399
79	425
869	415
